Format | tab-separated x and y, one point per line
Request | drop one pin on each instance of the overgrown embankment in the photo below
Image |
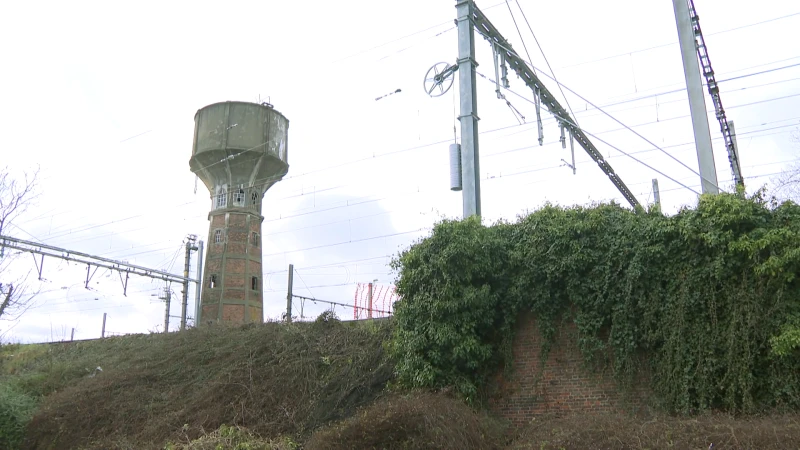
710	297
276	380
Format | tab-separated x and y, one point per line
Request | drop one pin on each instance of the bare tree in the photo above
787	185
15	197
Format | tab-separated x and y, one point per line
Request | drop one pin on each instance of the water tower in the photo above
239	151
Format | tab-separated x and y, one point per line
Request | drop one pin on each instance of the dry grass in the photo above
273	379
233	438
619	431
314	386
413	421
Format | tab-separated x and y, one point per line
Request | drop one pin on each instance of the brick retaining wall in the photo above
564	385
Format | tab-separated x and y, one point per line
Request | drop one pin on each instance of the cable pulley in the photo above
439	79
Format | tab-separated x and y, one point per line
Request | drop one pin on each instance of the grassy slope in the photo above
320	385
274	379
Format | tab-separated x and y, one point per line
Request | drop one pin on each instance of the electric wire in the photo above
315	300
490	130
571	121
630	128
665	190
352	241
351	204
546	168
675	42
304	282
351	162
552	72
340	263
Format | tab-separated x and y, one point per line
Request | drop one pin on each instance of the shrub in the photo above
710	295
16	410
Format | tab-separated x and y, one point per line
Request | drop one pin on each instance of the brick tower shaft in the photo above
233	291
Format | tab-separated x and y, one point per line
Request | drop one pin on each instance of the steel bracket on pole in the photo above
572	151
39	265
124	282
504	71
88	275
537	99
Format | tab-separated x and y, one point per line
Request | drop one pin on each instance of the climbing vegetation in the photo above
705	302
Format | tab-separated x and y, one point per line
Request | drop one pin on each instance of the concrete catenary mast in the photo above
697	102
239	151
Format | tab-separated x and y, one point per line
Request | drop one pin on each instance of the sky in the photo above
101	97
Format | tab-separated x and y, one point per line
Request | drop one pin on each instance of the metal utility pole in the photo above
72	336
289	295
369	301
465	10
190	247
102	333
199	284
656	193
697	102
167	297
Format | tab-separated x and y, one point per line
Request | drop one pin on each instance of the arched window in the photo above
254	198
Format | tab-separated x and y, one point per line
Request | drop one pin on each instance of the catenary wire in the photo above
786	16
543	56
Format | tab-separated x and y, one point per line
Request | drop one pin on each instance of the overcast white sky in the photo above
102	96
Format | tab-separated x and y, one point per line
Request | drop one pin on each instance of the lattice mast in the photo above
713	91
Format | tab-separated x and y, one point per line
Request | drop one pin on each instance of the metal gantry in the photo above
542	95
713	91
121	267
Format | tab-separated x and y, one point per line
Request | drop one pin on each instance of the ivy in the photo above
710	296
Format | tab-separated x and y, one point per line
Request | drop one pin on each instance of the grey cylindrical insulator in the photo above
455	167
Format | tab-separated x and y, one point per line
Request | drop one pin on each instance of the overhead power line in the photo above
786	16
552	72
342	304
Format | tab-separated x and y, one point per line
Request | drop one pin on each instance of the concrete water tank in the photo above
240	150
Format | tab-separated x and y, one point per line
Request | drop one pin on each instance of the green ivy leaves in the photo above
707	294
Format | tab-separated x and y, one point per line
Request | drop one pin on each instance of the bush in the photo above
710	295
16	410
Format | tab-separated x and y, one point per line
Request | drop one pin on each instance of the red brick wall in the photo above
562	385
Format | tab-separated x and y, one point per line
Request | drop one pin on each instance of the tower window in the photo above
254	238
212	283
217	236
222	199
254	283
238	197
254	198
